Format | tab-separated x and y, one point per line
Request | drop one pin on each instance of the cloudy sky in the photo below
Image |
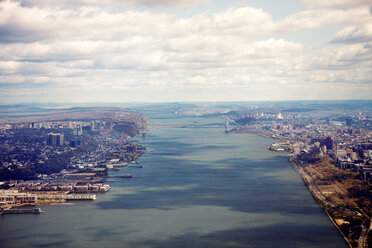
184	50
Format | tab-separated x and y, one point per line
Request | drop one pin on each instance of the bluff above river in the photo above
124	122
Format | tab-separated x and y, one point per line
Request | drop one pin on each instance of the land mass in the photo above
332	151
48	155
330	143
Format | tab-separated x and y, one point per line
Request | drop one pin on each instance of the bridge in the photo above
227	125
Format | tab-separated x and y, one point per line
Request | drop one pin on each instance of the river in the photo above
199	188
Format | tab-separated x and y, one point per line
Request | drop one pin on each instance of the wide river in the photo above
199	188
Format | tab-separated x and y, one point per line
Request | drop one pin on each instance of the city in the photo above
51	162
333	156
177	124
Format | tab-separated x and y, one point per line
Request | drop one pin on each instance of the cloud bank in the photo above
83	51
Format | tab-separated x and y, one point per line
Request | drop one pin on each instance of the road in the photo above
363	240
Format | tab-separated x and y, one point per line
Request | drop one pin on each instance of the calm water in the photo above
200	188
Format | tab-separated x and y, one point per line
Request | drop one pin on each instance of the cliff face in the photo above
130	123
22	114
126	128
125	122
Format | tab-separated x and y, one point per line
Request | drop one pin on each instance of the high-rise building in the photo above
78	130
60	139
349	121
108	125
55	139
329	143
279	116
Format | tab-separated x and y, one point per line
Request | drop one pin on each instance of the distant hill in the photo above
25	114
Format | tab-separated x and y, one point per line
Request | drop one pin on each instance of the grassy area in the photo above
341	187
350	196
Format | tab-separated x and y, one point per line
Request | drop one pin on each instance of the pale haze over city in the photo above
178	50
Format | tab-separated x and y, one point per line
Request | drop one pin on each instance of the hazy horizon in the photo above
207	103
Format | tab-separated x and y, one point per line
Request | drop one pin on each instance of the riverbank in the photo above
316	194
62	187
229	188
343	211
341	193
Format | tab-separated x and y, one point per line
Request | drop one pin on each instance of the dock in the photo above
22	211
67	197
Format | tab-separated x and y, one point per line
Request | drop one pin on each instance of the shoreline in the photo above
308	182
65	201
318	200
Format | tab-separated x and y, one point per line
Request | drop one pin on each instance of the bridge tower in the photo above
227	125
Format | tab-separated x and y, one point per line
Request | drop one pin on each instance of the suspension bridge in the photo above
231	125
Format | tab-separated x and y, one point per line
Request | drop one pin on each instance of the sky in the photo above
184	50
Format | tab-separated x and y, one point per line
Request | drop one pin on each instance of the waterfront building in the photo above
14	197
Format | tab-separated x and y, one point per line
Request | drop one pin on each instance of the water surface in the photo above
200	188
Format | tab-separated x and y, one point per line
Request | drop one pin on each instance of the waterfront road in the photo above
363	240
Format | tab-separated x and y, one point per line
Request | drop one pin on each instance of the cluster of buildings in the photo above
22	147
14	197
70	186
53	161
78	127
264	116
200	111
348	142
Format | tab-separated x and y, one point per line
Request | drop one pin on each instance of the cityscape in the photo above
59	157
333	157
177	124
64	161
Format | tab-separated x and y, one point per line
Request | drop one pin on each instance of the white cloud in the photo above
241	47
150	3
334	3
321	18
354	34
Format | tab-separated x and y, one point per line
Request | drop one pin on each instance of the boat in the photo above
125	176
136	166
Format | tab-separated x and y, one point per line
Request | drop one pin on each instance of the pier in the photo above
22	211
67	197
